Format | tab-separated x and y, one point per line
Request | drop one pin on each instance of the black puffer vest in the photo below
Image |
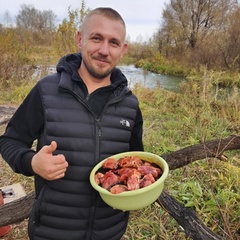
69	208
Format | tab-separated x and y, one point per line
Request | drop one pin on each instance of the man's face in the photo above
102	45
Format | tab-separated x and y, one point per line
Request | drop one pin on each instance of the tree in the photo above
40	23
27	18
7	19
190	21
32	19
66	33
197	31
229	43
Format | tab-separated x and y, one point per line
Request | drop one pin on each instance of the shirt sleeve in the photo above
22	130
136	143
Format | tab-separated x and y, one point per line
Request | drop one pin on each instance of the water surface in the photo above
149	79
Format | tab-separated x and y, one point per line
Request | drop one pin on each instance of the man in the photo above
77	116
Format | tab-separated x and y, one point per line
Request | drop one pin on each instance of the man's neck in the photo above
91	82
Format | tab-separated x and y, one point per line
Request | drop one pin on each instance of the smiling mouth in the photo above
101	60
101	63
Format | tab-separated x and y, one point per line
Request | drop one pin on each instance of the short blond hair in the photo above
107	12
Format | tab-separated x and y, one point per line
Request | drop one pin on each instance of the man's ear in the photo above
78	40
124	49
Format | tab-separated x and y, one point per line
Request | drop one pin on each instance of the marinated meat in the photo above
130	162
116	189
133	182
109	180
147	180
149	169
99	178
110	163
124	173
127	174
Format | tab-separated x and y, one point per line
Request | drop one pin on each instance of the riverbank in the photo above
219	78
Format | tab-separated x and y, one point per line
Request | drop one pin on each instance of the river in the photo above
149	79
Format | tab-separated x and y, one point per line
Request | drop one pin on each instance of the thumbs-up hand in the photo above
47	165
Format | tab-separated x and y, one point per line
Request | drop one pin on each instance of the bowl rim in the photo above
102	190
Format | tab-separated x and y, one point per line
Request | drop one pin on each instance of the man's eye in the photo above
96	38
115	43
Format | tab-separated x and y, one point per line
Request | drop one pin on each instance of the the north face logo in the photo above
125	123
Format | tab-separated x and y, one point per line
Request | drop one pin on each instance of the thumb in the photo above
51	148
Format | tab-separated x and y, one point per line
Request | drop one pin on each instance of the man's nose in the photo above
104	48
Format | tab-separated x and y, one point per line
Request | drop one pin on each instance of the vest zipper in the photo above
98	139
94	198
88	96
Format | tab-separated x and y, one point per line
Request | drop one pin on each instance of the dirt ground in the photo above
7	177
6	110
5	114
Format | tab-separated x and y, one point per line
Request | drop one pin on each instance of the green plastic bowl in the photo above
135	199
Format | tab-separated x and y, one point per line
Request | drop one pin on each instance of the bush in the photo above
14	56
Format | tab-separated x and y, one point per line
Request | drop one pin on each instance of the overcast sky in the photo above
142	17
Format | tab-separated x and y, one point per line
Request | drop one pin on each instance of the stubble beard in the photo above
95	73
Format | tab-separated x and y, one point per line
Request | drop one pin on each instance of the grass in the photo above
199	112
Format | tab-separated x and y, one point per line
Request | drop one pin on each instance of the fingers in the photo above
58	164
56	172
49	149
57	169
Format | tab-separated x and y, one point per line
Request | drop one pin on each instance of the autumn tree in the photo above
229	42
65	36
8	21
40	25
192	30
